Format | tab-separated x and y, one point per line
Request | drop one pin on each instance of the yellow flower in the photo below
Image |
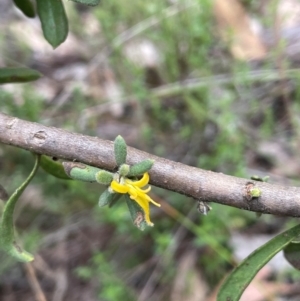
133	188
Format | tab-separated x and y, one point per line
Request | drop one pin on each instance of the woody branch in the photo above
190	181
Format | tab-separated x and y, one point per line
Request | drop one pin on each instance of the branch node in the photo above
10	123
251	192
39	138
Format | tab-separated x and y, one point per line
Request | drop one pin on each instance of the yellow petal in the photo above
147	197
145	206
132	191
140	183
117	187
143	191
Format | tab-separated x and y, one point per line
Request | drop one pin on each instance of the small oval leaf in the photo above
241	276
140	168
54	21
106	198
80	171
120	150
54	168
26	7
18	75
115	199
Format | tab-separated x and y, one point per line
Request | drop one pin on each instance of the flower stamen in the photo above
136	193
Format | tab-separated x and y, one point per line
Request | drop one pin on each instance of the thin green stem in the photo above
7	233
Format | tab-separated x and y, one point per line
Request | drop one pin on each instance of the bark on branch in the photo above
190	181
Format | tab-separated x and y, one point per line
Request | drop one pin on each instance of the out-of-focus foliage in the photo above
26	6
18	75
134	59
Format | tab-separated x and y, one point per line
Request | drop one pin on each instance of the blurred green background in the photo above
179	79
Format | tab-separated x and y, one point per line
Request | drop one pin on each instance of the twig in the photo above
148	23
61	285
197	183
192	85
163	261
196	83
59	276
35	286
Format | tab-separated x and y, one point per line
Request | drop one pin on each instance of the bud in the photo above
124	170
255	192
104	177
203	207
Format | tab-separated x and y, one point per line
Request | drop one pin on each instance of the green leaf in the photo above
54	168
120	150
106	198
260	179
18	75
292	254
140	168
239	279
88	2
81	172
26	7
7	233
54	21
136	212
116	197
